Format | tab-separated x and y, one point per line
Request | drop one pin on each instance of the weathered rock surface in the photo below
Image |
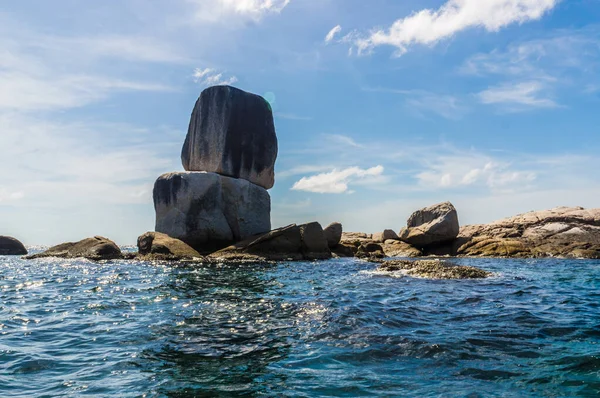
158	246
293	243
387	234
333	234
96	248
560	232
11	247
396	248
431	226
433	269
232	133
209	211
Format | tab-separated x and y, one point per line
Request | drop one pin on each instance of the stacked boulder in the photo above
229	158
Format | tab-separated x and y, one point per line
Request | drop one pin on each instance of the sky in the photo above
381	107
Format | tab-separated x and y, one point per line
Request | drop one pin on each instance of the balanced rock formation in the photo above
11	247
560	232
232	133
209	211
154	245
293	243
431	226
96	248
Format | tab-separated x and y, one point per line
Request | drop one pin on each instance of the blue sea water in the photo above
335	328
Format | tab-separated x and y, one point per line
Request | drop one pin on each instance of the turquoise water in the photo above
129	329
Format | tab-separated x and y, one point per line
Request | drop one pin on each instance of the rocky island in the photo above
219	210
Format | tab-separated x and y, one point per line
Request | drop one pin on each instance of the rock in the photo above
333	234
11	247
433	269
232	133
344	250
385	235
431	226
370	250
396	248
96	248
291	243
572	232
209	211
314	243
162	247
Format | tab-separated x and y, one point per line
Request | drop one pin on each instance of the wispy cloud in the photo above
526	94
336	181
332	33
428	26
291	116
343	140
211	77
223	10
422	102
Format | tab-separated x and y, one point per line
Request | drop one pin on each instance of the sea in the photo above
338	328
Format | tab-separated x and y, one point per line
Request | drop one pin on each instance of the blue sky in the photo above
381	106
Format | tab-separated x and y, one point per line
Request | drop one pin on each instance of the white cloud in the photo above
342	140
211	77
430	26
527	94
223	10
335	181
332	33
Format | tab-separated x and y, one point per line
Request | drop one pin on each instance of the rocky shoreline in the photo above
219	210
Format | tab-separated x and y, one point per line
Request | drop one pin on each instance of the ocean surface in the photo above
336	328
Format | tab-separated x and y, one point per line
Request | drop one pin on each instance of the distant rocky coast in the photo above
219	208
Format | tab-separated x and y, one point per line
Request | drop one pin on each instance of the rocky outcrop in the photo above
209	211
157	246
11	247
333	234
433	269
387	234
560	232
96	248
431	226
293	243
231	133
396	248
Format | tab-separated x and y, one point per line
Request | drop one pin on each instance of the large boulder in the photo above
209	211
291	243
387	234
96	248
161	246
11	247
431	226
232	133
333	234
558	232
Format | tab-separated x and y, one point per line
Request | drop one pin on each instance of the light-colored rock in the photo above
209	211
96	248
160	246
291	243
232	133
431	226
396	248
333	234
11	247
385	235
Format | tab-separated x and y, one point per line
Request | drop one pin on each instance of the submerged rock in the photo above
232	133
431	226
11	247
434	269
208	211
333	234
291	243
156	245
96	248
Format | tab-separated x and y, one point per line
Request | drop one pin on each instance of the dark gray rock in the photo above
333	234
209	211
232	133
11	247
96	248
431	226
314	243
